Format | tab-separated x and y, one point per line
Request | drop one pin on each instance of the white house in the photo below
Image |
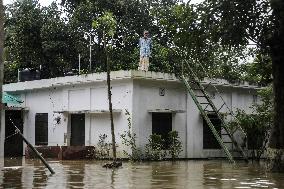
73	110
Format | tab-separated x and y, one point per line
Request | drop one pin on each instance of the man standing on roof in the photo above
145	44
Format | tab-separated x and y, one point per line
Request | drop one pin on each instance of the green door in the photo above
77	130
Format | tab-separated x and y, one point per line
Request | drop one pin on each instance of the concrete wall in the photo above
146	97
234	98
100	123
79	98
189	124
138	94
138	98
45	101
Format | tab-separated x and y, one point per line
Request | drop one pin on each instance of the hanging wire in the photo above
17	129
28	143
11	135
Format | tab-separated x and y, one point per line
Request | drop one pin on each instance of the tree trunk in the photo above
1	62
109	102
276	142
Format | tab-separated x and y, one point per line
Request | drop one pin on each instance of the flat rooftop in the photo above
115	75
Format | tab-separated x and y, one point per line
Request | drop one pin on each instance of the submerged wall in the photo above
89	99
139	93
147	99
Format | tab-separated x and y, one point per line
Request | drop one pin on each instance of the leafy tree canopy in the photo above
179	30
37	36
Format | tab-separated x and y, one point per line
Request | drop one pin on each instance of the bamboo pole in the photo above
34	150
1	63
109	100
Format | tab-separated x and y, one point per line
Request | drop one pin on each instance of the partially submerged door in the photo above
77	130
13	146
162	125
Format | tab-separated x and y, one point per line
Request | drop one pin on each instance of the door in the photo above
41	129
209	140
77	130
13	146
162	125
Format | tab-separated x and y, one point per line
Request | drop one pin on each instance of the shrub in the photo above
154	148
104	147
129	140
258	125
175	147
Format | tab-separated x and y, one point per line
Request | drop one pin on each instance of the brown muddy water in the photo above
181	174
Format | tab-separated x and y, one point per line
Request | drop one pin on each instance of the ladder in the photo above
206	107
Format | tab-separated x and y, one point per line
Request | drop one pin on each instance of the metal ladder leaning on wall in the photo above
206	106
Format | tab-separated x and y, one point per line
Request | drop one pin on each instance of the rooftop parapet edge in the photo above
115	75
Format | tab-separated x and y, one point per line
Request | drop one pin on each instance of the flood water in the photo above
181	174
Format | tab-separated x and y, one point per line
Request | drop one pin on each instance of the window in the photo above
41	129
162	125
209	141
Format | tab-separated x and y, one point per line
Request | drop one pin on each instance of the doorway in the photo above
77	130
209	140
13	145
162	125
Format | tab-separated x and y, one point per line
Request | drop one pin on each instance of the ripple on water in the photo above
181	174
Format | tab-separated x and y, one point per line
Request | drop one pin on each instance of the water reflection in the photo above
39	177
12	173
211	173
75	174
21	173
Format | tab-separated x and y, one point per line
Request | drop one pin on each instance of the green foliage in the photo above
259	71
235	25
184	25
11	72
104	147
231	20
154	148
23	27
265	109
257	125
105	24
37	36
60	40
179	31
84	71
275	160
58	53
129	139
175	147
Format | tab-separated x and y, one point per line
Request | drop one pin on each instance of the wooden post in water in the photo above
34	150
1	68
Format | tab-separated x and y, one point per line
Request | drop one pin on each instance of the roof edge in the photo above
101	77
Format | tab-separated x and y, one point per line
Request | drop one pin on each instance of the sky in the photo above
42	2
48	2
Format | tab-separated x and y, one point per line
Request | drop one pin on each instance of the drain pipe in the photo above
31	146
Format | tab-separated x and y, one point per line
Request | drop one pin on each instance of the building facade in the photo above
73	111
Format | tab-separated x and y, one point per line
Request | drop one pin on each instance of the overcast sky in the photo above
48	2
42	2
